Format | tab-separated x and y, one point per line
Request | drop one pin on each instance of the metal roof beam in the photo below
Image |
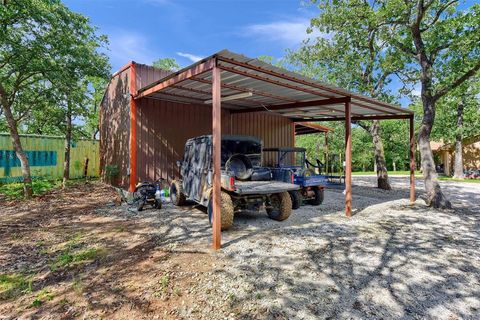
242	89
179	77
278	83
295	105
356	118
187	99
308	83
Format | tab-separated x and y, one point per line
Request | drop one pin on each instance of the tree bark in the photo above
382	174
379	165
458	166
68	141
435	197
17	146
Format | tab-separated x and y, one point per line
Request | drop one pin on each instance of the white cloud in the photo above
126	46
189	56
289	32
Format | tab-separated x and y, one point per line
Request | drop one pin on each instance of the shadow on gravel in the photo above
396	268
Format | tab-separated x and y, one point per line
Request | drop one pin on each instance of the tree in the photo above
42	46
457	118
351	55
98	86
169	64
440	44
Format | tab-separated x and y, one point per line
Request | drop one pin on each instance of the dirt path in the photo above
81	256
75	254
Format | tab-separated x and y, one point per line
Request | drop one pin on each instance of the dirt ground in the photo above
78	253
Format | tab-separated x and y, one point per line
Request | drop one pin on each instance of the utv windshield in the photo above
291	159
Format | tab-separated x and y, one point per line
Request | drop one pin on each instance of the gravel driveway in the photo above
390	260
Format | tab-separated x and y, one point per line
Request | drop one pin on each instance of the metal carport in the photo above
244	85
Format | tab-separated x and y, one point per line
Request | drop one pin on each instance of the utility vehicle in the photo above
245	184
311	184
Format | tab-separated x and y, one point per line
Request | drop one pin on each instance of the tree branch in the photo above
438	14
441	92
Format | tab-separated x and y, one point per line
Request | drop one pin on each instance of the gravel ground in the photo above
390	260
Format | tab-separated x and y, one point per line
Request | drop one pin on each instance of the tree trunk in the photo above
435	197
382	174
17	146
458	166
68	141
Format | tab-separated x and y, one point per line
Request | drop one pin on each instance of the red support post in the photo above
133	128
217	140
412	160
348	160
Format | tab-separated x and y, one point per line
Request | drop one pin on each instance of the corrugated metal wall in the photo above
147	75
115	127
46	156
163	128
274	130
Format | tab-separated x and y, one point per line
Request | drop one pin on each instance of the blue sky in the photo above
144	30
188	30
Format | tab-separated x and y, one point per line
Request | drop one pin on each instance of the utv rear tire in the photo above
296	199
176	193
318	199
226	210
140	204
279	206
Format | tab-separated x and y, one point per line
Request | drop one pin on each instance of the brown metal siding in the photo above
163	127
274	130
147	75
115	127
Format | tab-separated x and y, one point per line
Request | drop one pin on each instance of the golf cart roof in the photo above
286	149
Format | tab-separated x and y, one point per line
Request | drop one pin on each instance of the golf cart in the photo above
312	185
245	184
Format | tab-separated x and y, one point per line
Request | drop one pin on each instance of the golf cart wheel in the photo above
296	198
226	210
279	206
318	199
158	204
176	193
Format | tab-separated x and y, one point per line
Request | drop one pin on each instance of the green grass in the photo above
68	257
390	173
443	178
41	297
12	285
14	190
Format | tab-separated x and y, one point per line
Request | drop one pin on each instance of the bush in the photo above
14	190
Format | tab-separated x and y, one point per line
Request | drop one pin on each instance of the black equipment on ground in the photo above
148	192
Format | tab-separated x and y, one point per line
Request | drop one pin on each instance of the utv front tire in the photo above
226	210
279	206
318	199
176	193
296	199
